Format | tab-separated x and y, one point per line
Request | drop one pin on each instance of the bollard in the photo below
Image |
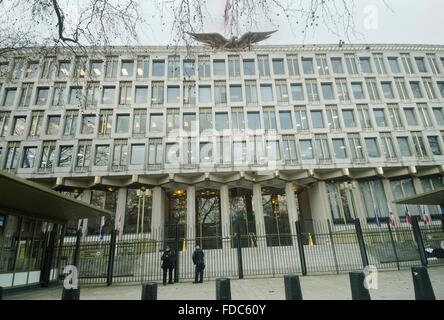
1	293
223	291
149	291
292	287
71	294
422	284
359	292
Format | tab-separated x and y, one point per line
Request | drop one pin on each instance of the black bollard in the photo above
223	291
292	287
149	291
1	293
358	290
422	284
71	294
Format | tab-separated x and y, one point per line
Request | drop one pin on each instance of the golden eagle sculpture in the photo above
217	41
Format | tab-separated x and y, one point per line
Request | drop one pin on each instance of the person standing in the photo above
198	260
169	261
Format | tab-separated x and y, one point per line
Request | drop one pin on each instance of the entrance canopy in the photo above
432	197
21	197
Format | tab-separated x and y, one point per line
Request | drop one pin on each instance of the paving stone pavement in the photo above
392	285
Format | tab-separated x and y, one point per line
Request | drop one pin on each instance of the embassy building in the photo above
208	140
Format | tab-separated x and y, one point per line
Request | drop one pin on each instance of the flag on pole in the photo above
81	225
425	215
227	7
407	215
378	223
102	228
118	226
392	218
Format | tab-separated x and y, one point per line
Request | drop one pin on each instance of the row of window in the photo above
331	118
109	68
227	152
95	94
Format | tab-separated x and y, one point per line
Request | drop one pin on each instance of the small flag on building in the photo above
118	226
407	215
392	218
425	216
226	17
102	228
378	223
81	226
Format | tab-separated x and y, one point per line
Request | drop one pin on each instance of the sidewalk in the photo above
392	285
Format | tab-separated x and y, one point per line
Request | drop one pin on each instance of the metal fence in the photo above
323	248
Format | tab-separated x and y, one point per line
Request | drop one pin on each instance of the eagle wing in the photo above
216	40
251	37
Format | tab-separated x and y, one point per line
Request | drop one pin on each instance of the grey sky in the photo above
411	21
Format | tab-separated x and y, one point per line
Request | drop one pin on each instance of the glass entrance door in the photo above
208	225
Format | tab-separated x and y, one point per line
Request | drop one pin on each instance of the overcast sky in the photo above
406	21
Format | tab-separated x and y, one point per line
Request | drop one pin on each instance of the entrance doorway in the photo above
208	219
277	227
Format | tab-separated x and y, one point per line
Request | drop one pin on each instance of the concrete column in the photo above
225	216
390	199
121	210
319	206
259	215
158	217
292	206
190	232
359	204
86	197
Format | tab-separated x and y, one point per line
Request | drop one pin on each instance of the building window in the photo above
65	156
236	93
278	66
321	61
111	68
219	67
125	94
269	119
317	119
189	68
105	122
307	65
349	118
322	149
417	93
70	123
434	145
380	117
293	66
263	66
189	122
173	67
333	118
273	150
75	95
204	94
173	94
189	151
358	92
341	87
48	151
350	61
339	148
429	184
220	92
425	116
405	58
95	69
306	149
83	157
297	93
249	69
12	155
204	67
433	64
289	148
205	120
19	126
156	123
221	121
139	122
143	67
223	150
379	63
237	118
157	95
239	151
102	155
404	147
439	116
402	188
53	125
402	89
158	68
281	91
88	123
420	64
120	153
387	146
63	71
25	97
29	157
92	93
48	68
372	148
327	91
36	124
364	117
394	66
122	123
372	89
301	118
355	147
266	93
256	148
373	196
395	116
336	63
254	122
189	93
410	116
137	154
285	120
428	85
343	209
155	152
365	65
141	96
312	90
42	96
441	88
4	121
108	95
387	90
206	152
9	97
233	66
172	119
420	148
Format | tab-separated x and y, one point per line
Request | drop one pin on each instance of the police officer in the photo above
169	261
198	260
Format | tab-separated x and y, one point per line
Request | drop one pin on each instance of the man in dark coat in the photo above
198	260
169	262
